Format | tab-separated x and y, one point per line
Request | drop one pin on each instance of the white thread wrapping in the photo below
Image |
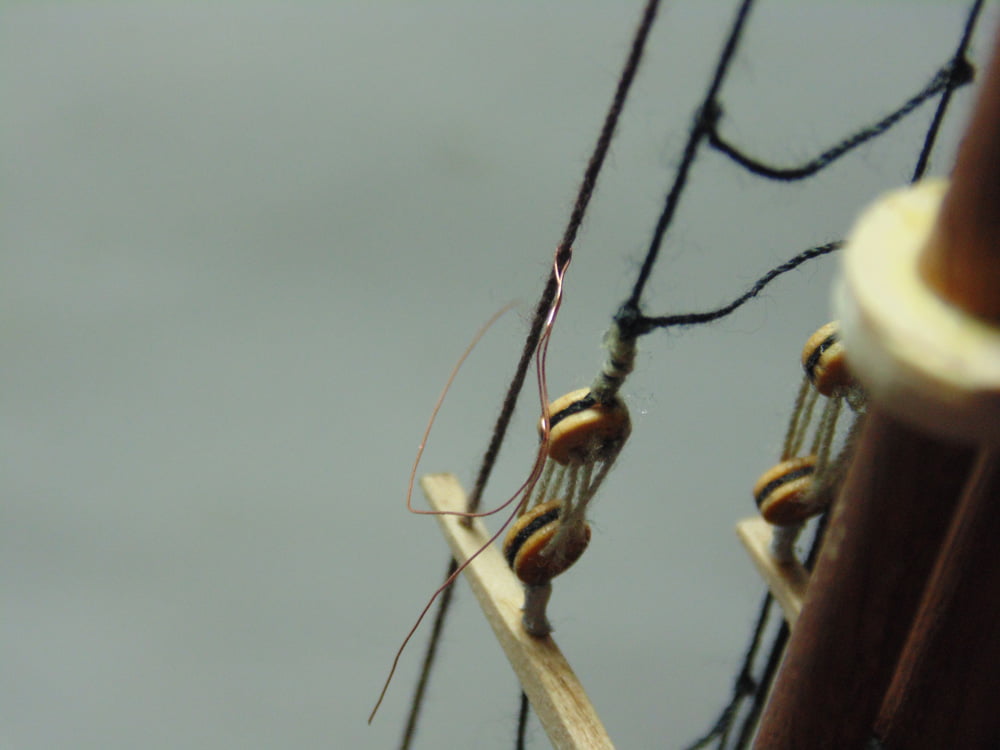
619	363
919	357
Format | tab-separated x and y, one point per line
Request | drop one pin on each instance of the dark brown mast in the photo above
890	562
946	690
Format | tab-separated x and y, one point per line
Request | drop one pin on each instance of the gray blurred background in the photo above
242	245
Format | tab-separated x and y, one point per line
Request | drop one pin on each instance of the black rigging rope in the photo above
641	324
954	73
744	685
704	120
521	739
935	127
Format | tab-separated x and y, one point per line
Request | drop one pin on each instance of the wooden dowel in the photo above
884	533
947	685
903	488
555	693
787	581
962	261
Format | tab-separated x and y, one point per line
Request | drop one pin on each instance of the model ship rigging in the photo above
868	672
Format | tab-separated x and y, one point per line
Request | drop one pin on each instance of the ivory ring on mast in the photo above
919	357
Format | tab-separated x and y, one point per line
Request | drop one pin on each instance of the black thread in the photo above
425	671
704	120
744	686
520	743
932	132
749	724
752	718
957	72
953	74
824	520
641	324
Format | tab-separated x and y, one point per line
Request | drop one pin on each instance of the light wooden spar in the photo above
787	581
555	693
